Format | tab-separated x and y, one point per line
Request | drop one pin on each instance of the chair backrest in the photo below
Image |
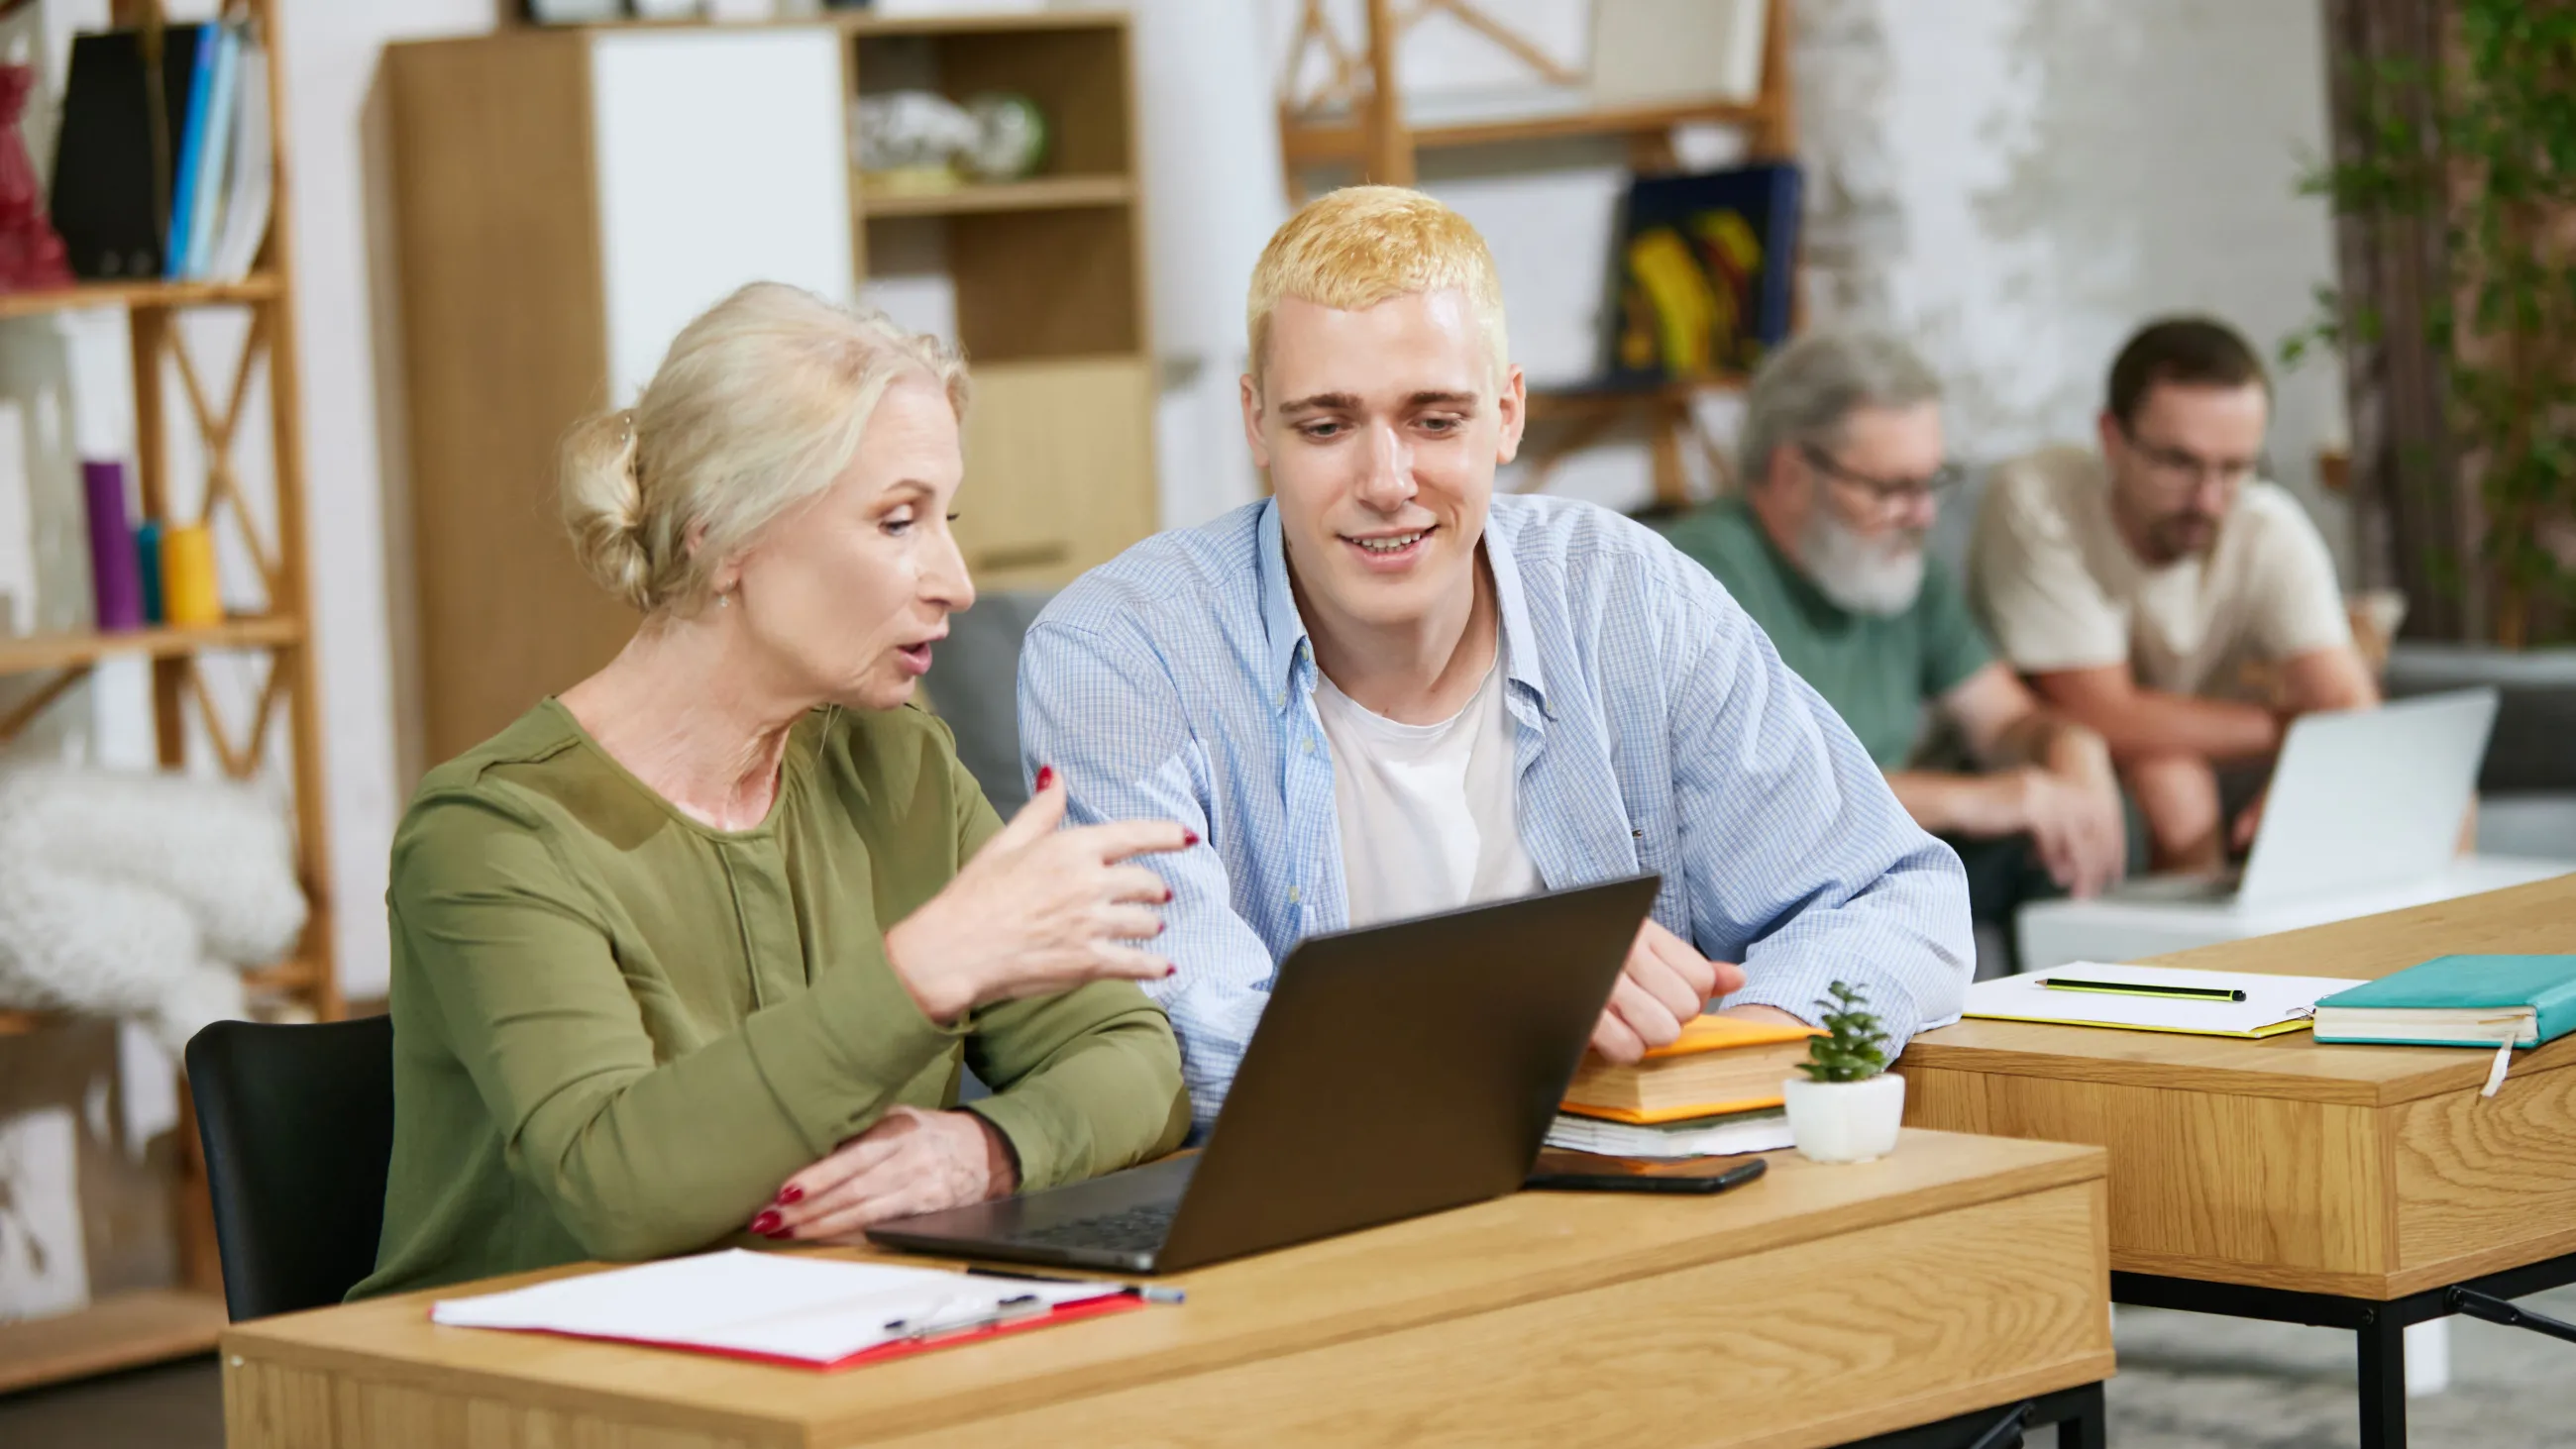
298	1126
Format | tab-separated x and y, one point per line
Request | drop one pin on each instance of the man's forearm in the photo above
2055	744
1943	803
2152	722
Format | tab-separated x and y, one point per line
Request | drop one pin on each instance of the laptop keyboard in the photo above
1136	1230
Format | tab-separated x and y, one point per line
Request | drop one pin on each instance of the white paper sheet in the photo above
2269	1000
811	1309
1746	1132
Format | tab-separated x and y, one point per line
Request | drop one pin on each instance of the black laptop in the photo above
1398	1070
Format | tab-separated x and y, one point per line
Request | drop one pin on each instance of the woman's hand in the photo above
911	1161
1038	910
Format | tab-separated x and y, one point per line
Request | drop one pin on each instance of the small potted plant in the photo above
1847	1108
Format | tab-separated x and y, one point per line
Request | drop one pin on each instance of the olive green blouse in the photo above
618	1031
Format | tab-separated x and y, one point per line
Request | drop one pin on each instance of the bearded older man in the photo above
1843	474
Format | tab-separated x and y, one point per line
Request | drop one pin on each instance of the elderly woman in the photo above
697	947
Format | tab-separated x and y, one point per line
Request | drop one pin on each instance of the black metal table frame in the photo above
2077	1412
2379	1326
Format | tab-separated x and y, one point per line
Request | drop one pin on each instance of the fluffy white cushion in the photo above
142	895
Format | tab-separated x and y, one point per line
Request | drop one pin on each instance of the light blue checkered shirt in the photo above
1653	725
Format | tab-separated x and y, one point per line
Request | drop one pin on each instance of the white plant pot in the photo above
1845	1121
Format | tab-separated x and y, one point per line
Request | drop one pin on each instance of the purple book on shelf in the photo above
114	576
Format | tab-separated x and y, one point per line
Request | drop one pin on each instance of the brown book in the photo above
1720	1064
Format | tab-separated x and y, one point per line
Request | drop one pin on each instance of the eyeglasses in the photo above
1888	495
2179	470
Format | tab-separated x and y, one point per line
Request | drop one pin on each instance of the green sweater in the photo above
618	1031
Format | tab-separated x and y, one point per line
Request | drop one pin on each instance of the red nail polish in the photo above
1046	776
767	1224
791	1193
1170	971
1189	838
1167	895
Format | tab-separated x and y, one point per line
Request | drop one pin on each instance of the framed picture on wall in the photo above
1701	276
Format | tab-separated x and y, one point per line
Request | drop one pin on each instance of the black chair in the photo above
298	1126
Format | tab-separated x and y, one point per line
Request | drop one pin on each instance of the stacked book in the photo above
1713	1092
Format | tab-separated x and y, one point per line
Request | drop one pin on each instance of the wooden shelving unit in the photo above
1360	124
145	1326
1054	193
518	319
1310	143
257	287
31	652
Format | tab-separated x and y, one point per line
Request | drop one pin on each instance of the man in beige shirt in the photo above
2136	586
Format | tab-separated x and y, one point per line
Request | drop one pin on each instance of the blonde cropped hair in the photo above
757	407
1354	248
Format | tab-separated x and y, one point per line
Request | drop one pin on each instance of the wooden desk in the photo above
2328	1184
1816	1306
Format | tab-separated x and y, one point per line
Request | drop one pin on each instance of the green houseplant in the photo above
1846	1108
2474	149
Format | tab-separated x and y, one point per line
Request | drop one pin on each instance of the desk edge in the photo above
276	1342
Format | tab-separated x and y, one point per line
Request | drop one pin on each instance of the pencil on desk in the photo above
2141	988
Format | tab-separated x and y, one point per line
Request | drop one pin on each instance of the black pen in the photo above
2141	988
1148	1292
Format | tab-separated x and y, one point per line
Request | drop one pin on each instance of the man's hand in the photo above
2072	811
1666	983
910	1162
2249	822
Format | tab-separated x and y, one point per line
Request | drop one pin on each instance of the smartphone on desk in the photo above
1561	1171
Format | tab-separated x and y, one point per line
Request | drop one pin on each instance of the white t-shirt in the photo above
1428	813
2061	589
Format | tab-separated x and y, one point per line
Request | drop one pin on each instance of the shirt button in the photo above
1310	746
1292	895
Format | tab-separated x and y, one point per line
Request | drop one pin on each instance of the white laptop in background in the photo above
2359	799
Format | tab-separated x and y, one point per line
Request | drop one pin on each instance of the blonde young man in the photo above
1385	691
2135	586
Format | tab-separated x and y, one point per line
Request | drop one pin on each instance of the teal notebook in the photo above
2469	1001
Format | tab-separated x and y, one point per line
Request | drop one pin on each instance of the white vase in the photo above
1845	1121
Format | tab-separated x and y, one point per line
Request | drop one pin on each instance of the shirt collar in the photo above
1511	606
1280	621
1286	628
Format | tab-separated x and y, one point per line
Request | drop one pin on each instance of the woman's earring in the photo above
724	601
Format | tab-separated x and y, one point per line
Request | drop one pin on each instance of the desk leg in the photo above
2382	1339
2086	1425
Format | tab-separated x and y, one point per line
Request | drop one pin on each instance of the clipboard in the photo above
795	1310
1117	1301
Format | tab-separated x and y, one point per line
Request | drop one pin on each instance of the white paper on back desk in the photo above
2272	1004
769	1305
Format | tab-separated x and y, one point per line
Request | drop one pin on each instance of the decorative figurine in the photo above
32	257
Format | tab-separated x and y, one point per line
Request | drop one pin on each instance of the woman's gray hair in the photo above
757	407
1810	388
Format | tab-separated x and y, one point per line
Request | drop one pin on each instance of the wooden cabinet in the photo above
567	199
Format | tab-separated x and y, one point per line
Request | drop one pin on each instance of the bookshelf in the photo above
147	296
537	287
125	1329
1357	123
1049	194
